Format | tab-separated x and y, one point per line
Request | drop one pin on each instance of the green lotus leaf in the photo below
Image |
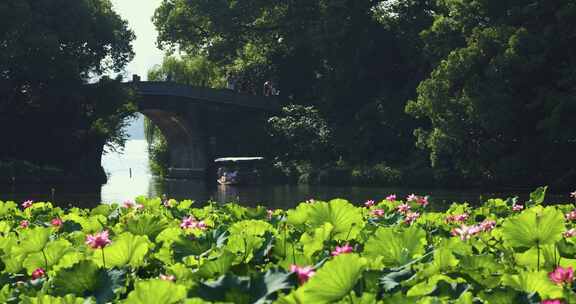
7	208
126	249
216	267
149	204
258	289
236	211
196	301
48	299
86	278
430	285
315	242
5	293
444	261
156	292
392	279
537	196
298	216
33	240
334	280
532	281
536	226
5	227
146	224
250	227
56	255
109	283
499	296
396	247
271	282
8	242
244	245
346	219
185	205
181	272
102	209
184	247
169	235
91	224
78	279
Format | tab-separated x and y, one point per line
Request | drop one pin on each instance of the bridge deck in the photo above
205	95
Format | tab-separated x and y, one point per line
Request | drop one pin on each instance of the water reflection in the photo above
129	177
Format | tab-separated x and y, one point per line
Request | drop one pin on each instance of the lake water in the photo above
129	176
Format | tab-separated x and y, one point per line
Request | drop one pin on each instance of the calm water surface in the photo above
129	176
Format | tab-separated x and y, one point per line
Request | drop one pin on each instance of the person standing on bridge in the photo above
267	88
230	81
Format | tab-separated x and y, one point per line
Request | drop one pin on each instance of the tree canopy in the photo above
501	98
49	51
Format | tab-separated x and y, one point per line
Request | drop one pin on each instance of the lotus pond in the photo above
392	251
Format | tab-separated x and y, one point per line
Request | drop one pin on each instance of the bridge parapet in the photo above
206	95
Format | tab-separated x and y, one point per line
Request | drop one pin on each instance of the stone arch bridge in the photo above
201	124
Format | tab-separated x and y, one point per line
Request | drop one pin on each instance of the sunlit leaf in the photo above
126	249
333	280
156	292
536	226
396	247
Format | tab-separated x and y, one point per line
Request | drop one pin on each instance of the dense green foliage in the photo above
394	251
491	82
504	89
191	70
49	51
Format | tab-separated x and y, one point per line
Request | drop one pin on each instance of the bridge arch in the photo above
186	143
200	124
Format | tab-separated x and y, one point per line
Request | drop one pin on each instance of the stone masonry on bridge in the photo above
201	124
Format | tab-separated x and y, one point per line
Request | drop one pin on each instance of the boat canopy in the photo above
235	159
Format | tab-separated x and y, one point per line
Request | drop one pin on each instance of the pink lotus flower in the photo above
128	204
463	232
412	198
201	225
403	208
573	195
487	225
344	249
423	201
377	212
304	273
310	201
24	224
411	217
457	218
561	275
38	273
98	240
391	197
27	204
190	222
56	222
167	277
517	207
269	214
569	233
556	301
570	216
369	203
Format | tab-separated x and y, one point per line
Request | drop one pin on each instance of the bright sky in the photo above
139	14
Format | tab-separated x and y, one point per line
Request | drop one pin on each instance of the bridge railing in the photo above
222	96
